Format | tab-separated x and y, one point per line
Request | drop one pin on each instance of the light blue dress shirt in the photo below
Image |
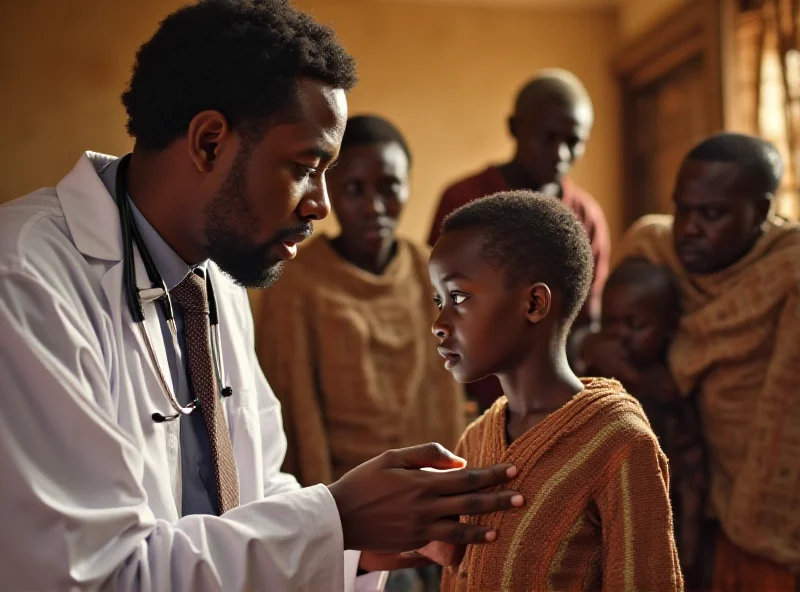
199	488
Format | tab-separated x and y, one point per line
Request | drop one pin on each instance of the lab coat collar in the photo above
89	209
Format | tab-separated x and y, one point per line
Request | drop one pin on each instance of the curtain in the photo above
768	84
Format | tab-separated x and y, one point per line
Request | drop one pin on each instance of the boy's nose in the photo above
441	329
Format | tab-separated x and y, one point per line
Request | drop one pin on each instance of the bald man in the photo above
552	120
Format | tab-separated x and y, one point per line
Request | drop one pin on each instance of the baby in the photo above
641	309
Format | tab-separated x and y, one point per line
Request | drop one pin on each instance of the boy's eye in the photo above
438	302
458	298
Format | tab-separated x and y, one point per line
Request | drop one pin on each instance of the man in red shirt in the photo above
552	120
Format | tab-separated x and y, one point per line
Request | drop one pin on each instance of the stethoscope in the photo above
158	293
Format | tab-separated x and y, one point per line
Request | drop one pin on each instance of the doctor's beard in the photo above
229	220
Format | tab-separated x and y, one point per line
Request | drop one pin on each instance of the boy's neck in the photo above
540	385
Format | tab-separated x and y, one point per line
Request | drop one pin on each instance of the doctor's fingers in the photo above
469	480
460	533
478	503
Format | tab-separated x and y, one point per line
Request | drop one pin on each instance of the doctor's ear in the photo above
540	300
207	130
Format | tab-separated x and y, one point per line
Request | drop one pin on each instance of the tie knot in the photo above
191	294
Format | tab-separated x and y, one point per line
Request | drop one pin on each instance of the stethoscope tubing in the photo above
159	294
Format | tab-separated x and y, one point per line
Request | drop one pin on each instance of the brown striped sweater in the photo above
597	513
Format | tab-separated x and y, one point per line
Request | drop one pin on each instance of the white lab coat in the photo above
90	486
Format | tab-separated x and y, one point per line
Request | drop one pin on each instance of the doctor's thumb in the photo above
426	456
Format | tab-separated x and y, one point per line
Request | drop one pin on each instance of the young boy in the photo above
510	273
641	309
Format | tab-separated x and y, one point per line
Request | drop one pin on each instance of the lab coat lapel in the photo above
144	396
90	211
93	219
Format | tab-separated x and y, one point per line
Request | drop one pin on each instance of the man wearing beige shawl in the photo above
738	345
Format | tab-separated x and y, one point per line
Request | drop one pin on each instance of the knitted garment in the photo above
737	346
677	425
596	514
351	357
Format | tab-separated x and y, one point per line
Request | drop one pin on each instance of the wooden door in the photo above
672	93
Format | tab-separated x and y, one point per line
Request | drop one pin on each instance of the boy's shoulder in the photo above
605	418
622	431
615	411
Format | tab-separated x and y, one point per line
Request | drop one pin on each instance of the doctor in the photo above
140	444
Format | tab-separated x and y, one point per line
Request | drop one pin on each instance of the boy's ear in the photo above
540	300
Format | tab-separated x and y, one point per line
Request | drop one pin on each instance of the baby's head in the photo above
641	307
510	273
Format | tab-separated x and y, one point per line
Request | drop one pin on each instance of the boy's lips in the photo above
450	358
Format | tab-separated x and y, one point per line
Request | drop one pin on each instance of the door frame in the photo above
696	30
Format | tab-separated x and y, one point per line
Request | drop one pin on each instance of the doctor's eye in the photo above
303	171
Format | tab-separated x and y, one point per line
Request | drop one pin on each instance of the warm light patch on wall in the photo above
772	119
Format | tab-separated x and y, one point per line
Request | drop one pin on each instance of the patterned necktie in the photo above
191	295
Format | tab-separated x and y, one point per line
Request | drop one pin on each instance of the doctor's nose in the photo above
315	205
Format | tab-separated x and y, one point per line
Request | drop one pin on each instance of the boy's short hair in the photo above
534	238
758	159
636	271
242	58
373	129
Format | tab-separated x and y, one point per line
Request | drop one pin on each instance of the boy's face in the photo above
482	323
636	316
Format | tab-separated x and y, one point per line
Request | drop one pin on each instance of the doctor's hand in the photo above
444	554
388	505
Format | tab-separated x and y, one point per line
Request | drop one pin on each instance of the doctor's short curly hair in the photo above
240	57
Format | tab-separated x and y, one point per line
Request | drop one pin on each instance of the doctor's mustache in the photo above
302	230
